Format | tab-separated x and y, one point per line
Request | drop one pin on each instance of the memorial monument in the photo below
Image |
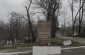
44	33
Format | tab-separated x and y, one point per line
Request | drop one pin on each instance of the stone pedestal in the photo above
46	50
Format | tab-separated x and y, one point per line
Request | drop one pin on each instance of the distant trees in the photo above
19	27
3	30
15	26
65	19
78	15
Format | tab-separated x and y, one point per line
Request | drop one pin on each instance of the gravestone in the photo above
44	32
67	42
8	42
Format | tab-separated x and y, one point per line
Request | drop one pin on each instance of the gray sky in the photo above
7	6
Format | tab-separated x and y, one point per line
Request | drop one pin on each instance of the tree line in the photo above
21	27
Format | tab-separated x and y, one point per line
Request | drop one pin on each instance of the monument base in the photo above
46	50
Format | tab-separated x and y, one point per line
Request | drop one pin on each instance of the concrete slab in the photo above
46	50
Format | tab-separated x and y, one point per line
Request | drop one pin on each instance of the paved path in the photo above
77	51
19	51
15	53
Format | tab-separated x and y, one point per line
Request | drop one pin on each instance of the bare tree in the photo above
65	18
50	9
14	27
71	3
80	16
80	12
30	27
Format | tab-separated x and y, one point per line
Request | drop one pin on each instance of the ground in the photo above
27	51
75	50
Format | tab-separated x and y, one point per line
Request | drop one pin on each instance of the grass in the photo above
76	44
18	45
27	45
8	47
59	42
55	42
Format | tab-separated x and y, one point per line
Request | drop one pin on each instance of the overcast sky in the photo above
7	6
